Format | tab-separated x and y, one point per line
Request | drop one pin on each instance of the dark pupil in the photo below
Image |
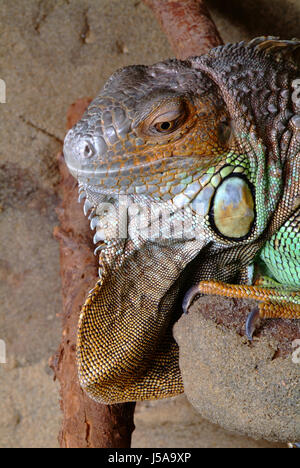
165	125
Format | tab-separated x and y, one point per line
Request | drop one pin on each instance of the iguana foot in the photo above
273	303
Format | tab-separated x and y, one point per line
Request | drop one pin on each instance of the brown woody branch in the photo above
187	25
86	424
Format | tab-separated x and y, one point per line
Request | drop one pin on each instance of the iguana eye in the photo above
165	127
168	121
165	120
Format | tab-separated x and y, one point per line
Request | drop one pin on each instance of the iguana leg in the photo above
273	303
278	298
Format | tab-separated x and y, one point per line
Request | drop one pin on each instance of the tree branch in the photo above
187	25
86	424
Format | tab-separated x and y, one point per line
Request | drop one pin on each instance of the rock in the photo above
250	388
173	422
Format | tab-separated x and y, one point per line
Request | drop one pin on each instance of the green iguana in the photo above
190	171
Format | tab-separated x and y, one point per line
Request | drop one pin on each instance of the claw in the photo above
99	248
189	297
94	222
87	206
99	236
92	213
81	197
251	323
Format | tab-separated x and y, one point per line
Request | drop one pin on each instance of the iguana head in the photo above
210	137
211	132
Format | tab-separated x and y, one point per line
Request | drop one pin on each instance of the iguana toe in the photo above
251	322
189	298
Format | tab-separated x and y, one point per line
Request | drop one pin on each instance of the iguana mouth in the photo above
224	194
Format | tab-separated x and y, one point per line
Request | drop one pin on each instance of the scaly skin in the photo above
190	170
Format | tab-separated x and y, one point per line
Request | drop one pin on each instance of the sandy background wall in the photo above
51	53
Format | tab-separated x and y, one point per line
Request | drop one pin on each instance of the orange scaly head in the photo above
149	123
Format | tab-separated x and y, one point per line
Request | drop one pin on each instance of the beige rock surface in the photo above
249	388
51	53
174	423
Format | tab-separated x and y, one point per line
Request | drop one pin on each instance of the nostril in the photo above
88	150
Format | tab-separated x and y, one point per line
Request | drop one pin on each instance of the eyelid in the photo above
167	117
176	113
